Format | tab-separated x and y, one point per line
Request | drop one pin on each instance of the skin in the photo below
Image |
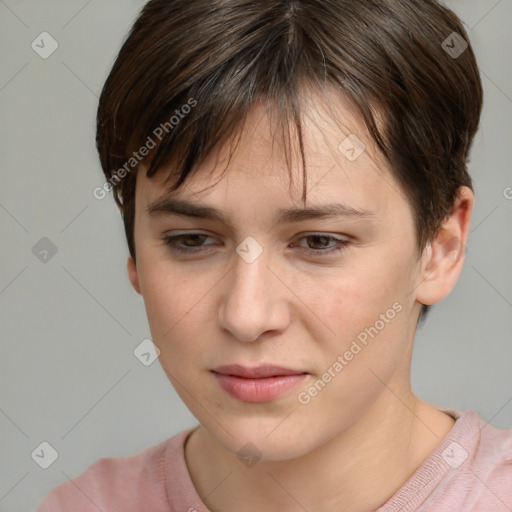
358	440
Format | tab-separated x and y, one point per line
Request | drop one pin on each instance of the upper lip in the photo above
257	372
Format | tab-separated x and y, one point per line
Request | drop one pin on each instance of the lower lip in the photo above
258	390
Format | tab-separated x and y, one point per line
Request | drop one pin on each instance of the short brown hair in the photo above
388	56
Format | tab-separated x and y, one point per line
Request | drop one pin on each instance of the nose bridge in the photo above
249	305
250	263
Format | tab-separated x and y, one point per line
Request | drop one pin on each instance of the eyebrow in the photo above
183	208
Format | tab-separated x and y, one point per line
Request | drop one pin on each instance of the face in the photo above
330	298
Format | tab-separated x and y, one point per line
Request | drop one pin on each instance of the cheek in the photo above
360	313
345	302
176	305
364	349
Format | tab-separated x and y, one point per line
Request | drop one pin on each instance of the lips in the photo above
259	372
258	384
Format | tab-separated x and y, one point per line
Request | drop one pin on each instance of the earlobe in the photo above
443	259
133	275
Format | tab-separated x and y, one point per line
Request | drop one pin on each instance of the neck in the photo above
358	470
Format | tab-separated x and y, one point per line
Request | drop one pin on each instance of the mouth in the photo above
257	384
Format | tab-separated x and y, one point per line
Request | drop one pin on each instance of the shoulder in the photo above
487	446
471	470
492	460
115	484
479	457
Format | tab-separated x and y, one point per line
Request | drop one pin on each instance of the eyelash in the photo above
170	242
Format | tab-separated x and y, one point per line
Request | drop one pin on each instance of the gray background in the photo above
69	325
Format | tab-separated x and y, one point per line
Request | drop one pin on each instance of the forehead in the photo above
342	164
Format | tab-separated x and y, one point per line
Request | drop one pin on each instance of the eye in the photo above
193	243
173	242
320	239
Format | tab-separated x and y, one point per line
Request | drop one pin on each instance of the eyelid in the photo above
303	234
341	243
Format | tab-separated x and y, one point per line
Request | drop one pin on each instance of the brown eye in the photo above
196	239
316	241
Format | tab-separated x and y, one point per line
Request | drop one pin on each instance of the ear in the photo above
443	258
133	275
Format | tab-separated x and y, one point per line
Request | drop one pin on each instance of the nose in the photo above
254	299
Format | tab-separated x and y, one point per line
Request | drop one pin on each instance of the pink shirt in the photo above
471	470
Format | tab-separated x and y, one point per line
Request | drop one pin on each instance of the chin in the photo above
253	440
